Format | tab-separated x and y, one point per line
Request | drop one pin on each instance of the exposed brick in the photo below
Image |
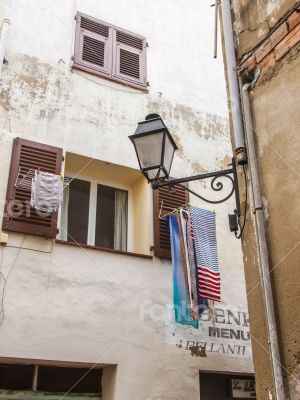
252	63
249	64
289	41
279	34
277	45
267	61
263	50
294	19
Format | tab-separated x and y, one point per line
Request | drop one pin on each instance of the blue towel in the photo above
181	306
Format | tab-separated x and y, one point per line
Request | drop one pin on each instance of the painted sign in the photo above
223	330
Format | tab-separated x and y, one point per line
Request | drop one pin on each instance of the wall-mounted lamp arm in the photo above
215	185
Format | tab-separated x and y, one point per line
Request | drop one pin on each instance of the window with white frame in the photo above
95	213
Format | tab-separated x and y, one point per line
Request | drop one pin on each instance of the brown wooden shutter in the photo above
19	216
93	45
171	199
129	57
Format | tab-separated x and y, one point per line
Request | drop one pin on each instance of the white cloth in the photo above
121	219
46	191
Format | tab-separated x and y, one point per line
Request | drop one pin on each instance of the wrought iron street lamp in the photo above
155	148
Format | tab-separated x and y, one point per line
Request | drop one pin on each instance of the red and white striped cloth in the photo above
204	236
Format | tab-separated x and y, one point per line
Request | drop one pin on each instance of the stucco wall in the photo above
67	303
254	19
278	149
275	113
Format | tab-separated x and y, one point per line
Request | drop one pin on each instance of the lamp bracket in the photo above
215	184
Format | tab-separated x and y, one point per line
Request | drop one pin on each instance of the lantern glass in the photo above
149	148
153	174
169	154
154	147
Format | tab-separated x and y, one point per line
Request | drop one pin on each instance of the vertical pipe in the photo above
216	29
234	93
4	36
263	251
35	378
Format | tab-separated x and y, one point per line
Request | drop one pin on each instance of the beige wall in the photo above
276	121
279	162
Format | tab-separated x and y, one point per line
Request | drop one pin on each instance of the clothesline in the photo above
24	179
174	210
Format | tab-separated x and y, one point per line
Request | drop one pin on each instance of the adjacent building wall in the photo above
66	303
276	121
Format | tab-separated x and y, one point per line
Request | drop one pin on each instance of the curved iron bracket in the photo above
215	185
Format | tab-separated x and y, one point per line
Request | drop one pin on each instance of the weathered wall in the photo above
276	120
65	303
254	19
279	162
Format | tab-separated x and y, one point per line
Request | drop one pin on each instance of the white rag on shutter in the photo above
46	191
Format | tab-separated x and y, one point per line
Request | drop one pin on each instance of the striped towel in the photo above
198	304
204	235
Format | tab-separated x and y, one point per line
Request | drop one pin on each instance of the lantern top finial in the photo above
152	116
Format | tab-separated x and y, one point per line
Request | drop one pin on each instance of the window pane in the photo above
78	211
214	386
16	377
61	379
105	217
111	218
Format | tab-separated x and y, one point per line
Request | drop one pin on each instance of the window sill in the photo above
87	246
141	88
28	394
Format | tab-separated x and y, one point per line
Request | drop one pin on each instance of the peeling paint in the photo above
68	305
198	351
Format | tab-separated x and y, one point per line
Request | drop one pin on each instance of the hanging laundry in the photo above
180	295
195	302
205	241
200	303
46	191
185	260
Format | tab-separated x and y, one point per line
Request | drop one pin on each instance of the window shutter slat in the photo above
19	216
129	57
162	247
92	45
94	26
130	40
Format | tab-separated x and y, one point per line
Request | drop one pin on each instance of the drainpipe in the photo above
233	86
4	36
262	249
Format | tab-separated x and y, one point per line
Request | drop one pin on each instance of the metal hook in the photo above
169	208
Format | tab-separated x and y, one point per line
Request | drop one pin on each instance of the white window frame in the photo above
93	207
